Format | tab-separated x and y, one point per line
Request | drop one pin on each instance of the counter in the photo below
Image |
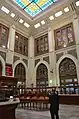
70	99
7	109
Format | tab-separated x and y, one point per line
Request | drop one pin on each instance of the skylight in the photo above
33	7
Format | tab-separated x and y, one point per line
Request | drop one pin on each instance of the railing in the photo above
60	89
37	99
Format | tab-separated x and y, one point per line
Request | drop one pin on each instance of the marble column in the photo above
52	57
11	39
31	79
10	46
76	32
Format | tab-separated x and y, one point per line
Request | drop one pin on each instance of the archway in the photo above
68	74
41	76
20	74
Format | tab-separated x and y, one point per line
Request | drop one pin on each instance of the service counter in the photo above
7	109
70	99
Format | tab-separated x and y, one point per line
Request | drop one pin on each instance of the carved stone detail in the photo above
3	54
46	59
16	58
58	56
36	61
25	61
73	52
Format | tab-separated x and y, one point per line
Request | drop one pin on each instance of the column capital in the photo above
49	29
75	16
12	26
31	37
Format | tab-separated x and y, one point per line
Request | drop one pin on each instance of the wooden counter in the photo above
70	99
7	109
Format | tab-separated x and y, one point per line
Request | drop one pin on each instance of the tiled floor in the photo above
65	112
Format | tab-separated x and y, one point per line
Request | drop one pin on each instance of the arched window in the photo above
21	76
68	74
42	76
20	72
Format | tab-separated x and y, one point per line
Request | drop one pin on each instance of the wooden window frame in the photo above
21	40
39	43
7	34
60	29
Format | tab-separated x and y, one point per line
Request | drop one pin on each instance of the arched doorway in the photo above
68	75
0	68
41	76
20	74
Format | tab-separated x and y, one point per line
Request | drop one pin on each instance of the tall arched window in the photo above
21	76
42	76
68	74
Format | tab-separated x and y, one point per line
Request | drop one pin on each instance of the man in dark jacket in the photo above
54	104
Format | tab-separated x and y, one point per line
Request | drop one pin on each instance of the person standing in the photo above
54	104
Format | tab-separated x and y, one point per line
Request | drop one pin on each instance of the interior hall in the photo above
39	51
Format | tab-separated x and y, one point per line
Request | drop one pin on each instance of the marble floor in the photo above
65	112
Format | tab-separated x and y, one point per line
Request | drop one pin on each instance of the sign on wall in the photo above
9	70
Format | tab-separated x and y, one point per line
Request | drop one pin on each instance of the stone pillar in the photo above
52	57
11	42
10	45
76	32
31	80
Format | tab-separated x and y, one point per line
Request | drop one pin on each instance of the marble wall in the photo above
54	56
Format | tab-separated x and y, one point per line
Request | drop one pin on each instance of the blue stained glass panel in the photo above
33	7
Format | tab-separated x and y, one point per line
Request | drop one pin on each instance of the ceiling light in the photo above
21	21
51	17
58	14
66	9
37	25
27	25
77	3
42	22
12	15
4	9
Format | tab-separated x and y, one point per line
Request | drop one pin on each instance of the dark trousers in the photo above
54	115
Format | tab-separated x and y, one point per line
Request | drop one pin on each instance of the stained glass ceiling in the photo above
33	7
